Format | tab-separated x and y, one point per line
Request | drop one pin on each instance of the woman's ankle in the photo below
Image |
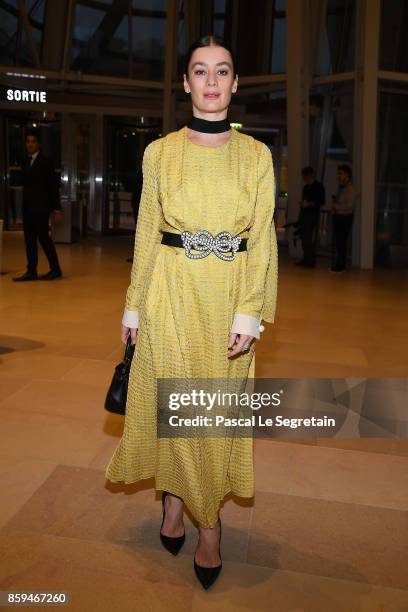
210	528
173	524
173	501
207	553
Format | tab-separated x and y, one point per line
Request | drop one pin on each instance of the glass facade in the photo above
391	233
127	38
14	45
338	37
127	140
120	38
331	133
391	218
278	59
393	39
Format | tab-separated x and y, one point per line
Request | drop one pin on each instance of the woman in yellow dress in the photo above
195	302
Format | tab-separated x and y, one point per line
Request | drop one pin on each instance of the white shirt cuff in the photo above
245	324
131	318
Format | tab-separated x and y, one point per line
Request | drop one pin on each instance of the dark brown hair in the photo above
345	168
208	40
34	133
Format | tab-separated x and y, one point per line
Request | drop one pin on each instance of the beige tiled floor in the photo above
328	527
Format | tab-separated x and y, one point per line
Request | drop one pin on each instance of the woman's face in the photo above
210	80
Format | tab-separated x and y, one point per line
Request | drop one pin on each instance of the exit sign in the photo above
25	95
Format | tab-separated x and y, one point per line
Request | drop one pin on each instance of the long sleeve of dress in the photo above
259	299
147	237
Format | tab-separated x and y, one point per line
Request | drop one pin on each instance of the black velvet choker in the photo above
210	127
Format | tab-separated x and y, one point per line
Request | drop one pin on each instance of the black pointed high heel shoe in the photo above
173	545
208	575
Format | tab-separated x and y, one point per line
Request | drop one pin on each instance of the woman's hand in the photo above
239	343
125	333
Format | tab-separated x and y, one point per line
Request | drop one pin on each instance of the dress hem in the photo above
178	493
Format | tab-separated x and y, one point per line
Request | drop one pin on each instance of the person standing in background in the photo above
342	209
40	198
313	198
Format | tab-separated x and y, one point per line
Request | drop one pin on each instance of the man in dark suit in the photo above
40	197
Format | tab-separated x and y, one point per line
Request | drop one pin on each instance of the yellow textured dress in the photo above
186	308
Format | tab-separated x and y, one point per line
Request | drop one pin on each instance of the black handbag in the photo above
117	393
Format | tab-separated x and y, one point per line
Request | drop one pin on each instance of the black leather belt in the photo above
171	239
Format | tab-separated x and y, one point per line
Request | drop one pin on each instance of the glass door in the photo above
127	140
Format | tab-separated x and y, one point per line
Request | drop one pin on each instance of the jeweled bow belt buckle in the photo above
204	242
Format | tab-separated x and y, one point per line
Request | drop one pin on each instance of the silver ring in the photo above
246	347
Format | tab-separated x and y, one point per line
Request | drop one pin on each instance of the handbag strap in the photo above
129	350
